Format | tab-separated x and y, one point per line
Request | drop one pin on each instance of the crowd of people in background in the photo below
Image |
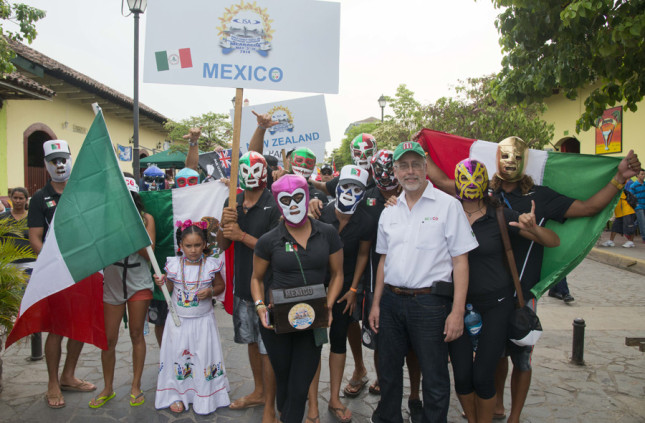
397	244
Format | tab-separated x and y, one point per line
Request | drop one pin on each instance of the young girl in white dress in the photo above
191	367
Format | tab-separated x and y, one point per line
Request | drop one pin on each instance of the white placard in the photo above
302	123
288	45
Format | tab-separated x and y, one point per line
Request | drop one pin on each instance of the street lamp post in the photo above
382	101
136	7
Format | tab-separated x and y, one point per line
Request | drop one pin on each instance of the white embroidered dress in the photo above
191	366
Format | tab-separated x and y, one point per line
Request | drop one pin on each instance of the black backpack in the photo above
631	199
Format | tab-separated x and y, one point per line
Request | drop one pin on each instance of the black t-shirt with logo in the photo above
374	204
42	207
286	257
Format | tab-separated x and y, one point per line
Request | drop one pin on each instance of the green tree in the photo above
12	279
216	130
570	44
471	113
23	18
474	113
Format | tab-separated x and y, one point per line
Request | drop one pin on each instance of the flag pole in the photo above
164	289
235	153
284	159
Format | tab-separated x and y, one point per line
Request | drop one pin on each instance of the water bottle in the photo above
473	322
146	328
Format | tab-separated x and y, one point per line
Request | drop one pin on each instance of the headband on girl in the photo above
188	223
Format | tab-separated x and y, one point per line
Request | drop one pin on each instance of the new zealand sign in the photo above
302	122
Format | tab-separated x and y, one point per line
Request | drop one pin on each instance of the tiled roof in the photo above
18	80
69	75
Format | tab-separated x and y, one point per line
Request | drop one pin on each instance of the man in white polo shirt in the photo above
424	241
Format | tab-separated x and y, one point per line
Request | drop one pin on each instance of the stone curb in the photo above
630	264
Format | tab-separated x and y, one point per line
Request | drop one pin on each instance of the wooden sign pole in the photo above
235	152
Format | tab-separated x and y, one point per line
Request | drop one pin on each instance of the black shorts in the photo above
157	312
625	225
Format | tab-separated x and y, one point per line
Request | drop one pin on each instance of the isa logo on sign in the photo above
246	28
282	115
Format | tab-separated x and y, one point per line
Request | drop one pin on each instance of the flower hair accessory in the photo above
187	223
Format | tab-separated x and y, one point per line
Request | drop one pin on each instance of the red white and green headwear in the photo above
383	170
303	162
471	180
253	171
363	147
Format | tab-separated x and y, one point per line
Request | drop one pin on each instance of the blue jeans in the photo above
640	216
413	322
561	287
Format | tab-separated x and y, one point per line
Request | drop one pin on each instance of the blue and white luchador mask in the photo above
350	189
153	179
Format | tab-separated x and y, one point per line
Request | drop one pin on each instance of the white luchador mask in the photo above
59	168
294	206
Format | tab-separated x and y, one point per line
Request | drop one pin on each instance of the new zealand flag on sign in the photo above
216	164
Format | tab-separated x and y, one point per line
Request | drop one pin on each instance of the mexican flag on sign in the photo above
199	202
173	59
575	175
96	224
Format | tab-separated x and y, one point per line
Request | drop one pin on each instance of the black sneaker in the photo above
416	410
557	295
568	298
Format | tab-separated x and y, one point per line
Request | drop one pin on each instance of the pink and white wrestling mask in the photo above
291	192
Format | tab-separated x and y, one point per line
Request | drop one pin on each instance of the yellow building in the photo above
44	99
618	130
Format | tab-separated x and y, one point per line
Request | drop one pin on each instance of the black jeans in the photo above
294	357
416	322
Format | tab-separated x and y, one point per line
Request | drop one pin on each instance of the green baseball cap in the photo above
406	146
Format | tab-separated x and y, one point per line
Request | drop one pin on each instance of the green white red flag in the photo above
199	202
577	176
96	224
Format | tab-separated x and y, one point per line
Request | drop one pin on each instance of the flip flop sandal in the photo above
498	416
313	419
375	389
178	407
134	400
243	403
84	386
355	387
57	398
100	401
338	414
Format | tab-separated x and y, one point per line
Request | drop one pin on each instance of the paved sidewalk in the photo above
609	388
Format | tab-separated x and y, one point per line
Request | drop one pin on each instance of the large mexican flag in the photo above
96	224
198	202
574	175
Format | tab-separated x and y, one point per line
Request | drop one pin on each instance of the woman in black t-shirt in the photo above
490	289
300	251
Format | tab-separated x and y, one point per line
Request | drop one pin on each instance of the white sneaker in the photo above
629	244
608	243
